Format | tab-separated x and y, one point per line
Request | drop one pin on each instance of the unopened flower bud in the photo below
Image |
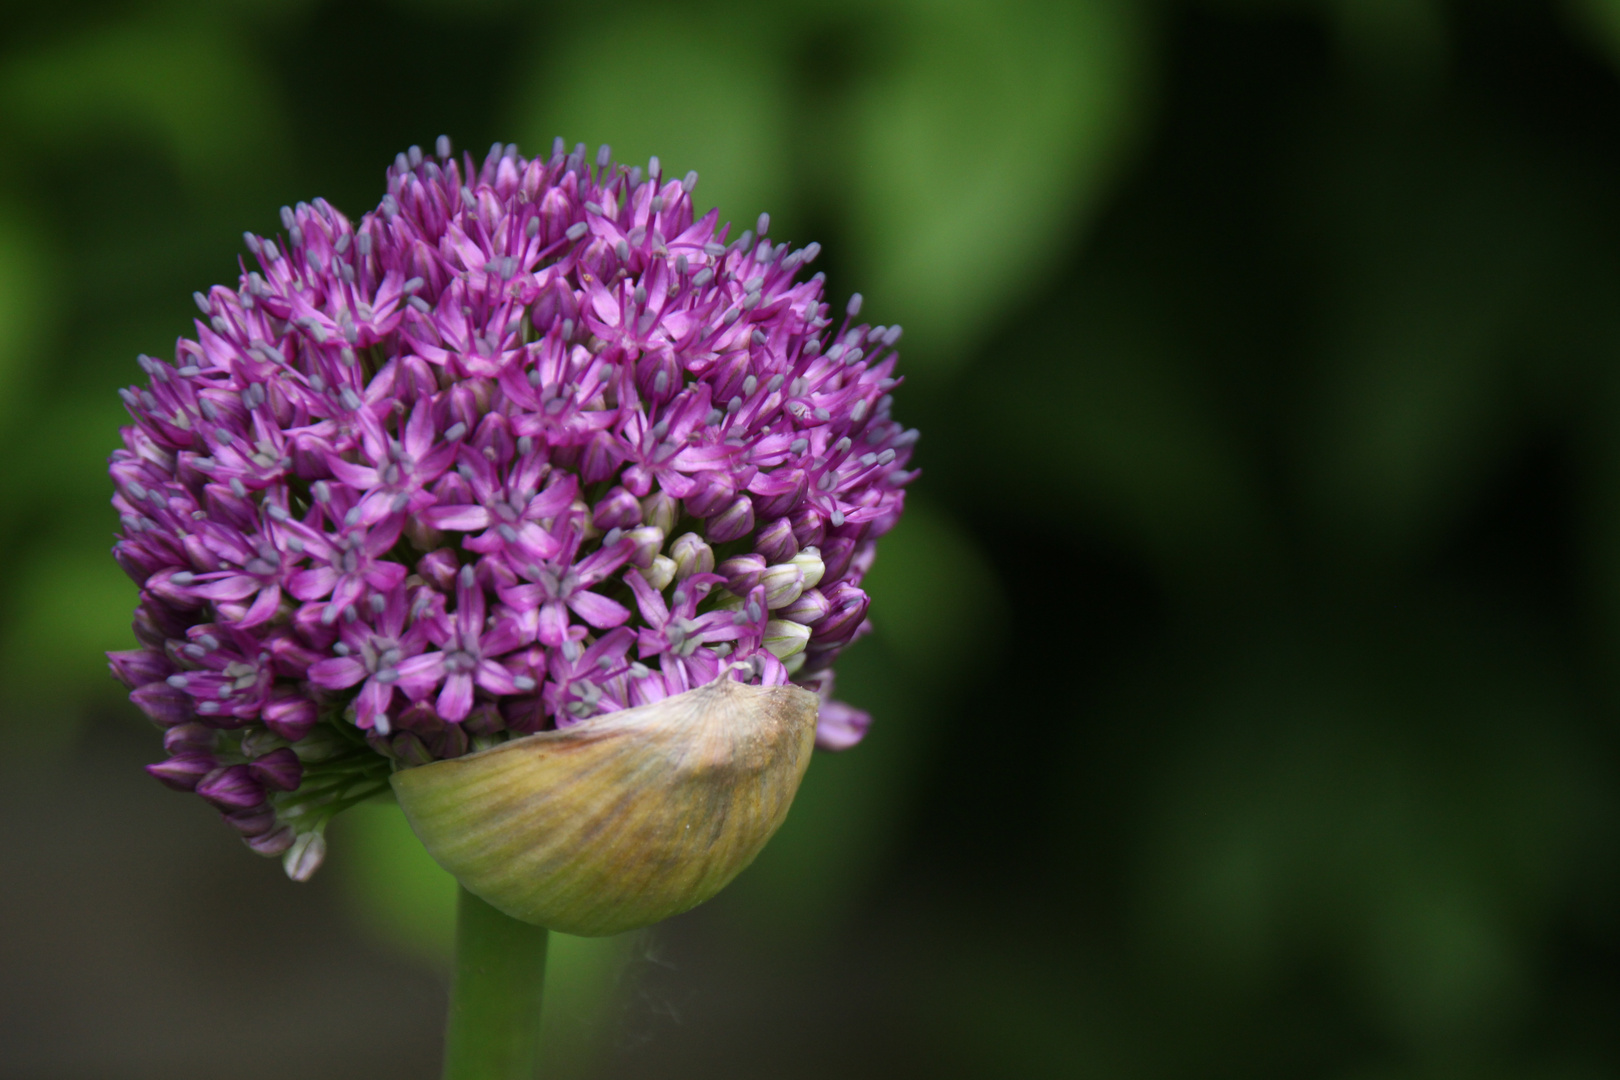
231	788
810	608
660	510
146	630
409	748
648	539
137	564
439	569
271	843
691	555
785	499
485	719
809	563
848	604
660	573
254	821
183	771
193	738
742	572
618	509
523	716
292	718
582	513
165	704
836	553
783	584
669	820
138	667
808	527
304	856
784	638
421	718
725	600
736	521
600	457
450	743
278	769
712	492
776	542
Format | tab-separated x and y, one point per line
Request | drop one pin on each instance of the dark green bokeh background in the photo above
1244	674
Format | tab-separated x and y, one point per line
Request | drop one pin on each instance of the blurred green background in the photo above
1245	674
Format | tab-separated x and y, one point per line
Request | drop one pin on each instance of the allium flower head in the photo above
528	444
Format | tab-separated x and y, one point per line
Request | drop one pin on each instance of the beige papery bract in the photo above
624	819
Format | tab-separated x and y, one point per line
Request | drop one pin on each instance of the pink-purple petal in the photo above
338	673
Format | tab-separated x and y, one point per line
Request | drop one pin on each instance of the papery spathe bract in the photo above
624	819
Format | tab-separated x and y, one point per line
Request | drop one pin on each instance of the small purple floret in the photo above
278	769
183	771
530	443
232	788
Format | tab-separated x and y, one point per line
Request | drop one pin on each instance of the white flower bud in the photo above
784	638
305	856
660	573
691	555
659	510
783	583
648	539
809	563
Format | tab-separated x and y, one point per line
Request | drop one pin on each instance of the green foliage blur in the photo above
1244	668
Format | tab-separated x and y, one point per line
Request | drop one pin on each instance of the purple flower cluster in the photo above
526	445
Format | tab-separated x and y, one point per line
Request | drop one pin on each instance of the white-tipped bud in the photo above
784	638
623	819
305	856
691	555
660	511
810	565
648	539
660	573
782	583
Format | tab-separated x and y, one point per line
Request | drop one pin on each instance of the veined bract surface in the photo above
622	820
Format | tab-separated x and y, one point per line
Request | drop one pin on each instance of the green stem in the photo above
494	1029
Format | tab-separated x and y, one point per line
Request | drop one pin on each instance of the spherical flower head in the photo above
529	444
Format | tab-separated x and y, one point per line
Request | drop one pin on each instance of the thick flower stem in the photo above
494	1028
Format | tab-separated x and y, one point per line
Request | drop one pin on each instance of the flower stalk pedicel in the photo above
531	465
